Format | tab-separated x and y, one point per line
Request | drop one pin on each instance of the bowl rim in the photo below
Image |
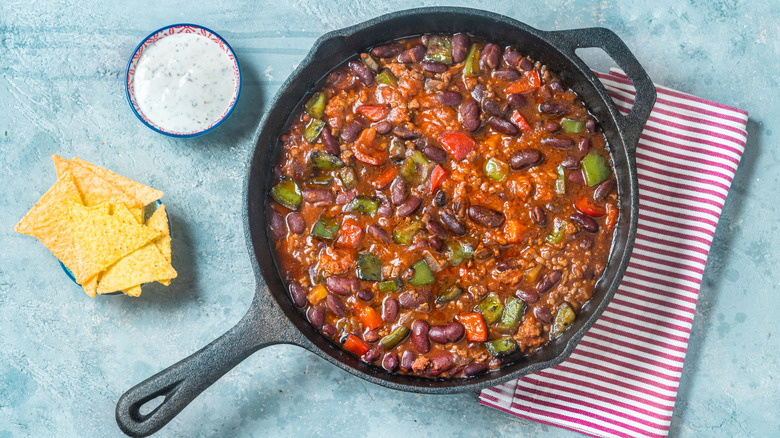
133	60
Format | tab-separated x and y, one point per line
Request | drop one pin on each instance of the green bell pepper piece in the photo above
495	169
315	106
325	161
596	168
369	267
572	126
558	233
563	319
313	129
501	347
439	49
386	77
422	274
322	180
490	308
348	177
389	285
449	293
513	313
287	193
404	233
457	252
471	65
370	62
396	337
415	168
364	205
325	228
560	183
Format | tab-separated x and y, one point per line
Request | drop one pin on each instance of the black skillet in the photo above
273	319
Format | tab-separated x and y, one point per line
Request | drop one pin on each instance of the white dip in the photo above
184	82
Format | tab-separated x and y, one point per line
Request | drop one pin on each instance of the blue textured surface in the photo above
65	358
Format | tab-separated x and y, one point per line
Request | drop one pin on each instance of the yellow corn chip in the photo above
134	291
95	189
49	220
100	240
90	287
144	194
159	221
144	265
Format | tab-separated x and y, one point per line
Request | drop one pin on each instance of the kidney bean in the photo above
511	57
342	285
415	54
555	108
528	296
390	362
576	178
407	359
277	225
570	162
441	363
490	56
492	107
329	329
433	67
344	197
505	265
390	310
525	158
438	334
405	133
525	64
351	132
475	368
552	127
583	145
558	142
478	93
437	243
449	98
397	149
295	223
335	305
384	210
460	47
586	222
548	281
419	336
410	206
543	314
373	354
329	142
379	233
507	74
451	223
366	295
538	216
413	299
440	198
557	86
435	228
469	115
362	72
485	216
434	153
544	93
298	294
387	50
603	190
516	100
454	331
398	191
383	127
316	315
372	335
318	196
586	244
502	125
590	124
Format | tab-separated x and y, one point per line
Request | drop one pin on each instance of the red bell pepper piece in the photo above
368	316
611	220
374	113
355	345
520	121
529	81
363	150
350	233
385	178
584	205
476	330
458	144
437	177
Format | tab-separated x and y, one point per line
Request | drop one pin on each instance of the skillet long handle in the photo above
605	39
181	383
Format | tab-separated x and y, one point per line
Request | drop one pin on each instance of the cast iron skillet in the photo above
273	319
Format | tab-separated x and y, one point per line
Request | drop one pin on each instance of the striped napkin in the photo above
622	379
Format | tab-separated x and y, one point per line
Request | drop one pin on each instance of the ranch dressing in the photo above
184	82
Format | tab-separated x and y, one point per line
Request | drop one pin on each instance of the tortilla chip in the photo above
101	239
90	287
95	189
144	194
134	291
49	220
144	265
159	221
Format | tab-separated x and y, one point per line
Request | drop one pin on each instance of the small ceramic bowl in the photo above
155	37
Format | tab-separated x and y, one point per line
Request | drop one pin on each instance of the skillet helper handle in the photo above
182	382
599	37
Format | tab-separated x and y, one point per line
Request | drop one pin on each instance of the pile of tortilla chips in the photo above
93	221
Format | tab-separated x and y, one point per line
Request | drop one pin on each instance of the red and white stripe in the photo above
622	379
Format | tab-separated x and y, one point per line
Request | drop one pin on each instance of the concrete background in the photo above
65	358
